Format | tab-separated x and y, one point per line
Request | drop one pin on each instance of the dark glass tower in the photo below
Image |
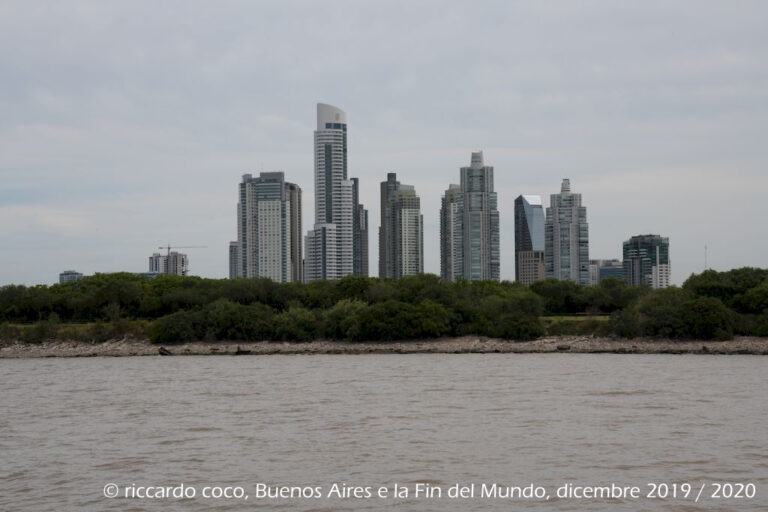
529	239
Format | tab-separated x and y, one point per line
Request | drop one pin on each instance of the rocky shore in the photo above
463	345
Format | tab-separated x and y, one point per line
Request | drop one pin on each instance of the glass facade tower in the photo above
529	239
646	261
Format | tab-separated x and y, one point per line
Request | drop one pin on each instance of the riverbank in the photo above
463	345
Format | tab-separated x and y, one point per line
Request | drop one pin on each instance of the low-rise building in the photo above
603	269
69	276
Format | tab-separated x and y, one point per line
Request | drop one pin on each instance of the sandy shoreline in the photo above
463	345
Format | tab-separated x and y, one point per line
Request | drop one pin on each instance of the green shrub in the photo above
40	331
227	320
513	314
179	327
675	313
342	321
433	320
388	320
9	333
516	326
577	327
707	318
727	286
625	323
761	325
754	300
661	313
561	297
296	324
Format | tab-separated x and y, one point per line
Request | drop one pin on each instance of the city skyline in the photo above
551	246
131	135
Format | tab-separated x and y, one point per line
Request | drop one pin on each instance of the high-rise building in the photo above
174	263
401	235
234	260
646	261
359	232
480	221
474	230
269	229
295	235
361	251
69	276
603	269
566	237
450	232
529	240
337	246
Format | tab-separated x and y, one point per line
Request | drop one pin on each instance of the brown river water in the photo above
677	427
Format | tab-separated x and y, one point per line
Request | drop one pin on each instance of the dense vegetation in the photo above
710	305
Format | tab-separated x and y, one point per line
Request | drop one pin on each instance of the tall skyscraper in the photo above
529	240
471	238
450	233
295	231
337	246
480	221
269	229
359	233
401	235
566	244
646	261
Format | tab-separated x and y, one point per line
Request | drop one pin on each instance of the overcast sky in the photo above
127	125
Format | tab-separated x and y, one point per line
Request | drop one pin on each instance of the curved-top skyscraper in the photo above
337	246
330	162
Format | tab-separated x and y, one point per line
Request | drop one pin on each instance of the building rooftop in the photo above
477	160
532	200
329	114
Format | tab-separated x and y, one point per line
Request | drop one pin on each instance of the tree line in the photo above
710	305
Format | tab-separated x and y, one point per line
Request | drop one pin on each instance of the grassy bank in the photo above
90	332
